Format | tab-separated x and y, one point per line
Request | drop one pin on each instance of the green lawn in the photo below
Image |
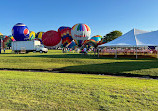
73	62
59	91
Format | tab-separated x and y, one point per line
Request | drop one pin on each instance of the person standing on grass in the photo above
4	50
85	50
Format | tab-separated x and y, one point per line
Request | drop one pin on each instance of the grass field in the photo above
70	62
59	91
21	90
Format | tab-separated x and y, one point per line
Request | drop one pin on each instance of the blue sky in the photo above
102	16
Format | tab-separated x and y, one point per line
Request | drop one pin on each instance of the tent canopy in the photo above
134	38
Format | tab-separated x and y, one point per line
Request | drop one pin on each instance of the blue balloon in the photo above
97	39
20	32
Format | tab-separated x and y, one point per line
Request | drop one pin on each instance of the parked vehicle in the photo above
28	46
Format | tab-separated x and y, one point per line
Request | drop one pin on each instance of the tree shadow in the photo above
128	69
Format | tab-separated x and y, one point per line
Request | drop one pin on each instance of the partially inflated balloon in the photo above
7	40
80	33
39	35
66	36
90	42
12	38
51	38
20	32
97	38
71	44
103	41
32	35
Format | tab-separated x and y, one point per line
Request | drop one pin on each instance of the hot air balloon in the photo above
32	35
65	33
12	38
97	38
80	33
63	27
72	44
1	36
20	32
39	36
103	41
51	38
66	36
6	41
90	43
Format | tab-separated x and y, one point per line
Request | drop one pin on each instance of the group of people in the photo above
83	50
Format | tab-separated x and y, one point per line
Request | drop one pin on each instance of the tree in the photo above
112	35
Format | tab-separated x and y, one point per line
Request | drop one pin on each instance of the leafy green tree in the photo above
112	35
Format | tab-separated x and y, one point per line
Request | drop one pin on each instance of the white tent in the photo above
134	38
148	39
126	40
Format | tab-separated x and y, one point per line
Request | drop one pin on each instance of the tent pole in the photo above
98	51
136	53
116	52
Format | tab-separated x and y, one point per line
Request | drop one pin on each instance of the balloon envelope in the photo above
32	35
63	27
20	32
39	35
51	38
97	38
66	36
71	44
90	42
80	33
7	40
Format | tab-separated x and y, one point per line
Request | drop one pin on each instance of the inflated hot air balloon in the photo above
63	27
51	38
20	32
80	33
65	33
32	35
66	36
97	38
39	36
1	35
103	41
6	41
90	43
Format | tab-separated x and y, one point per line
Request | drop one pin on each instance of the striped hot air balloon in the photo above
80	33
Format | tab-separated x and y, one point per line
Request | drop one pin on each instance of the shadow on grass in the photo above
5	53
128	69
120	57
